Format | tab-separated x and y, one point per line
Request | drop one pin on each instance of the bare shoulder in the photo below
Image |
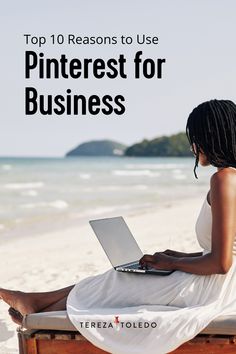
224	176
223	184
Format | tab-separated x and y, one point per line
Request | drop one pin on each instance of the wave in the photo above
101	210
160	166
135	173
177	170
30	193
179	176
28	185
140	186
87	189
57	204
6	167
122	188
91	212
111	188
85	175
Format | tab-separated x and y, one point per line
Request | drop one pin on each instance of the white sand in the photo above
55	260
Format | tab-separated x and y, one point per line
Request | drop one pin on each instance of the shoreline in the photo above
65	222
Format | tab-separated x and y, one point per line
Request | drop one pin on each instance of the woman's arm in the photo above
223	208
181	254
202	265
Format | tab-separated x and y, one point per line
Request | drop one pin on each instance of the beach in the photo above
57	259
46	241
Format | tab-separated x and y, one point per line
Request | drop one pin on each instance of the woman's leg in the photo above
27	303
57	306
17	317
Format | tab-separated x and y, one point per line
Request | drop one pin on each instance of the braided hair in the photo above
211	126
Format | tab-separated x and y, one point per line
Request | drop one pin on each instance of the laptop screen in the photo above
116	240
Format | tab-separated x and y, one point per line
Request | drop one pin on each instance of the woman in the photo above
180	305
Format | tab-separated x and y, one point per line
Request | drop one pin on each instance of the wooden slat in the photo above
21	343
199	340
219	340
67	347
42	336
204	349
31	345
204	345
80	337
63	336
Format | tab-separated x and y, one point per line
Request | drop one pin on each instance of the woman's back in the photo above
203	228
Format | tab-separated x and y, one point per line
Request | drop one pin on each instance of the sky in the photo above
196	37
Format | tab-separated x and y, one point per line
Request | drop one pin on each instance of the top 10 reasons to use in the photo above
38	65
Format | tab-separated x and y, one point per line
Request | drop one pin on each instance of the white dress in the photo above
124	313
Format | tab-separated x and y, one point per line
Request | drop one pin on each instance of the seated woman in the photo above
200	279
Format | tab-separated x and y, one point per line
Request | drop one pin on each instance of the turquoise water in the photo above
38	194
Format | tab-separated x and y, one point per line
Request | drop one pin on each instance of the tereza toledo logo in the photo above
117	323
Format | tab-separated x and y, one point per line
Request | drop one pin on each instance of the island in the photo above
98	148
175	145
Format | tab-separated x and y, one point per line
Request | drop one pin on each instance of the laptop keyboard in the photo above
134	266
137	266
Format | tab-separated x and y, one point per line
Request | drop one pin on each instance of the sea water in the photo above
41	194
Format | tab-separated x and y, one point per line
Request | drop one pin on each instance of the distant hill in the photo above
98	148
174	145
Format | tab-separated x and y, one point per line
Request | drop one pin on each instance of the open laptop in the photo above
120	246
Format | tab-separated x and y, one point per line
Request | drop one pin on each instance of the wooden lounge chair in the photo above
53	333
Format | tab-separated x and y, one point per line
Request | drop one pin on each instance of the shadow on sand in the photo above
4	332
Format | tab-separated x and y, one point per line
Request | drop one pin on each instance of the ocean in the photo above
42	194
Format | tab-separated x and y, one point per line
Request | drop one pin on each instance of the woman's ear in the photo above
200	149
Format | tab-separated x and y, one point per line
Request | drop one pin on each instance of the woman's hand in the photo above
158	260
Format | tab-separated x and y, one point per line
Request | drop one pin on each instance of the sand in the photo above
57	259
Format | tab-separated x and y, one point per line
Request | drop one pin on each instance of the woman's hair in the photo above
211	126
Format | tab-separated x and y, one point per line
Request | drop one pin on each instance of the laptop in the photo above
120	246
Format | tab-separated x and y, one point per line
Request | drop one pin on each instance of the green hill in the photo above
98	148
174	145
